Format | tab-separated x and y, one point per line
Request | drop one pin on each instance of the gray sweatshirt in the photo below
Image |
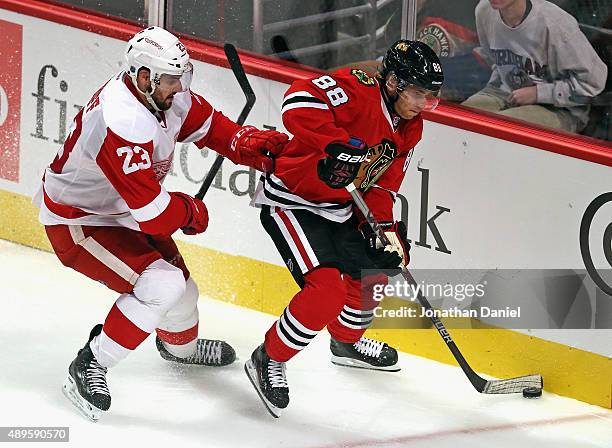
547	50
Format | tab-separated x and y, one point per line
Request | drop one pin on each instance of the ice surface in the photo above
48	311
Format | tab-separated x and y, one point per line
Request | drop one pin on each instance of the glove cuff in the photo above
240	133
366	230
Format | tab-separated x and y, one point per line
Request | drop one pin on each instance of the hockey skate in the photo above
86	385
269	380
364	354
208	353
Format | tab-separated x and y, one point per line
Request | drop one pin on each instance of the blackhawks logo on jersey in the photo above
379	159
363	77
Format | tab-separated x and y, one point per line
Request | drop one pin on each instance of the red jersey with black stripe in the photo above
110	170
333	108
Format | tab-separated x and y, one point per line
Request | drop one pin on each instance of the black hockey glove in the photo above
342	163
395	254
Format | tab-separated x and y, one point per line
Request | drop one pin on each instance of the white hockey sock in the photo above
182	351
106	351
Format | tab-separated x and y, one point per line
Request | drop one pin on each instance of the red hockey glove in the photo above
393	255
197	214
342	163
257	149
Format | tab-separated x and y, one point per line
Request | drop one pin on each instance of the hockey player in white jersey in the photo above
108	216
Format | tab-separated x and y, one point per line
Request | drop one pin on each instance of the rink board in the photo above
501	203
568	371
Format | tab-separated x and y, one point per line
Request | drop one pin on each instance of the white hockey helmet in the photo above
162	53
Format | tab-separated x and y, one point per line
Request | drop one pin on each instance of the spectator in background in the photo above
449	28
543	65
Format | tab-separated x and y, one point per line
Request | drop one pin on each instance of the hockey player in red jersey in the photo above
347	127
108	216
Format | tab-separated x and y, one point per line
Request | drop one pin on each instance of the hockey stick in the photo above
236	66
508	386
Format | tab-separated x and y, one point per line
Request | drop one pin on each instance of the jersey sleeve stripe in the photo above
312	105
153	209
302	99
201	132
300	93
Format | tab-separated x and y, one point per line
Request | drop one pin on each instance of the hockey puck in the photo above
532	392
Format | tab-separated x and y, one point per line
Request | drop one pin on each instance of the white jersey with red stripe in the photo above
110	168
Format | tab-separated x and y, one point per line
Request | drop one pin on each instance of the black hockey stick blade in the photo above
234	61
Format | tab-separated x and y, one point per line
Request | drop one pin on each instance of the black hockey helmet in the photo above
414	63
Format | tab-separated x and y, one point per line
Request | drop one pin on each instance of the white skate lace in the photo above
208	351
96	378
276	374
369	347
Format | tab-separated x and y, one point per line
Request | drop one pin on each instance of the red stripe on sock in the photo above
122	330
179	338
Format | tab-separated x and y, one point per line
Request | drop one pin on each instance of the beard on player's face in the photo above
163	99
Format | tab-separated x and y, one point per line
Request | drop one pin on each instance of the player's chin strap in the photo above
147	95
389	102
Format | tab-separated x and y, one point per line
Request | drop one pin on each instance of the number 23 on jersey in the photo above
142	161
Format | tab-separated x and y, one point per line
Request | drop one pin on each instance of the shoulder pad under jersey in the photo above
125	115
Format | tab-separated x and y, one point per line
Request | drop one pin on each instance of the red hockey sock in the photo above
122	330
357	314
319	301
